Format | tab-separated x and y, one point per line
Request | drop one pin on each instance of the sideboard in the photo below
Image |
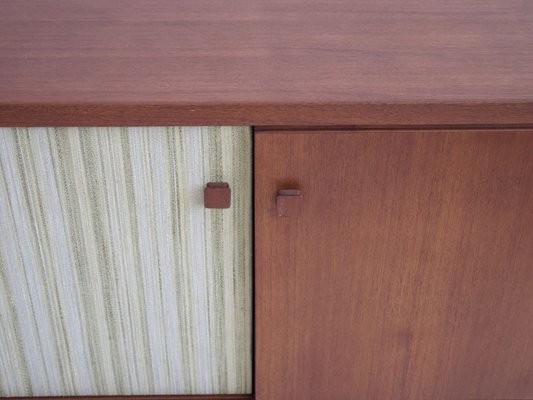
296	199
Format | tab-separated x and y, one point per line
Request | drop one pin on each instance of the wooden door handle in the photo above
288	202
217	195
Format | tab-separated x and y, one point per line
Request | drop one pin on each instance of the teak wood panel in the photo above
406	274
252	62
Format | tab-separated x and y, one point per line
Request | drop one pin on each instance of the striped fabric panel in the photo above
114	279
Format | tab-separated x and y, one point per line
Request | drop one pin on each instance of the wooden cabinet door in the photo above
403	271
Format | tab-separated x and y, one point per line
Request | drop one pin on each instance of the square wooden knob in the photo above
288	202
217	195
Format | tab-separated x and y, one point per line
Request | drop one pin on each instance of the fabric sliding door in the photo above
114	278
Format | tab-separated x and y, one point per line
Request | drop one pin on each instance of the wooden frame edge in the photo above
266	114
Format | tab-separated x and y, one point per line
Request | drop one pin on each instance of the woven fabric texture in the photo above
114	278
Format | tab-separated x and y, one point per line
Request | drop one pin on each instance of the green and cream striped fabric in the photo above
114	279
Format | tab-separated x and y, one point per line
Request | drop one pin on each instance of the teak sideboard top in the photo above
254	62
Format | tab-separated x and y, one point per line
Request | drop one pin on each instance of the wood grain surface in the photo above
252	62
408	273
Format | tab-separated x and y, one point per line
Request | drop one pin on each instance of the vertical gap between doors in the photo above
252	128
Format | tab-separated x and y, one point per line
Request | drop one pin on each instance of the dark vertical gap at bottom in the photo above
252	128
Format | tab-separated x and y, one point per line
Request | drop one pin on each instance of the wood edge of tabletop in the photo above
267	114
